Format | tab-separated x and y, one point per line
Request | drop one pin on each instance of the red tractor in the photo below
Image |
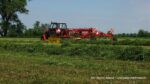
60	30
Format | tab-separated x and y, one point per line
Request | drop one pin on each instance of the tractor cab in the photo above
56	30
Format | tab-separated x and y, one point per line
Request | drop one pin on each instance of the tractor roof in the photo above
57	23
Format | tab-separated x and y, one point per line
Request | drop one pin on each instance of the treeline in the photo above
141	33
20	30
37	30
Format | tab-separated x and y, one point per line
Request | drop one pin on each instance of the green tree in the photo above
44	26
36	25
17	29
29	32
143	33
37	29
9	10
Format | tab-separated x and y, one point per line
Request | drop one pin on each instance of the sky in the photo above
124	16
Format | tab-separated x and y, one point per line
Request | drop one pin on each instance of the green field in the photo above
31	61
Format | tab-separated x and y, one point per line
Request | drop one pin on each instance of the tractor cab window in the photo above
53	26
63	26
58	25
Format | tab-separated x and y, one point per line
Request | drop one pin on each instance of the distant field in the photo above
32	61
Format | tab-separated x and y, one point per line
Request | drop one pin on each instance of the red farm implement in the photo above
60	30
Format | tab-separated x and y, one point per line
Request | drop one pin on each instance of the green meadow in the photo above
32	61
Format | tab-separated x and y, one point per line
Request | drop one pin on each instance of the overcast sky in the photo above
121	15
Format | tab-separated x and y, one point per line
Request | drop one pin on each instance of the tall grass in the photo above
127	41
135	53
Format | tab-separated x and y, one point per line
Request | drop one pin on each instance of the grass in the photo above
27	61
39	68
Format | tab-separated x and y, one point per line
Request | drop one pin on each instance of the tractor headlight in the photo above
97	33
58	31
